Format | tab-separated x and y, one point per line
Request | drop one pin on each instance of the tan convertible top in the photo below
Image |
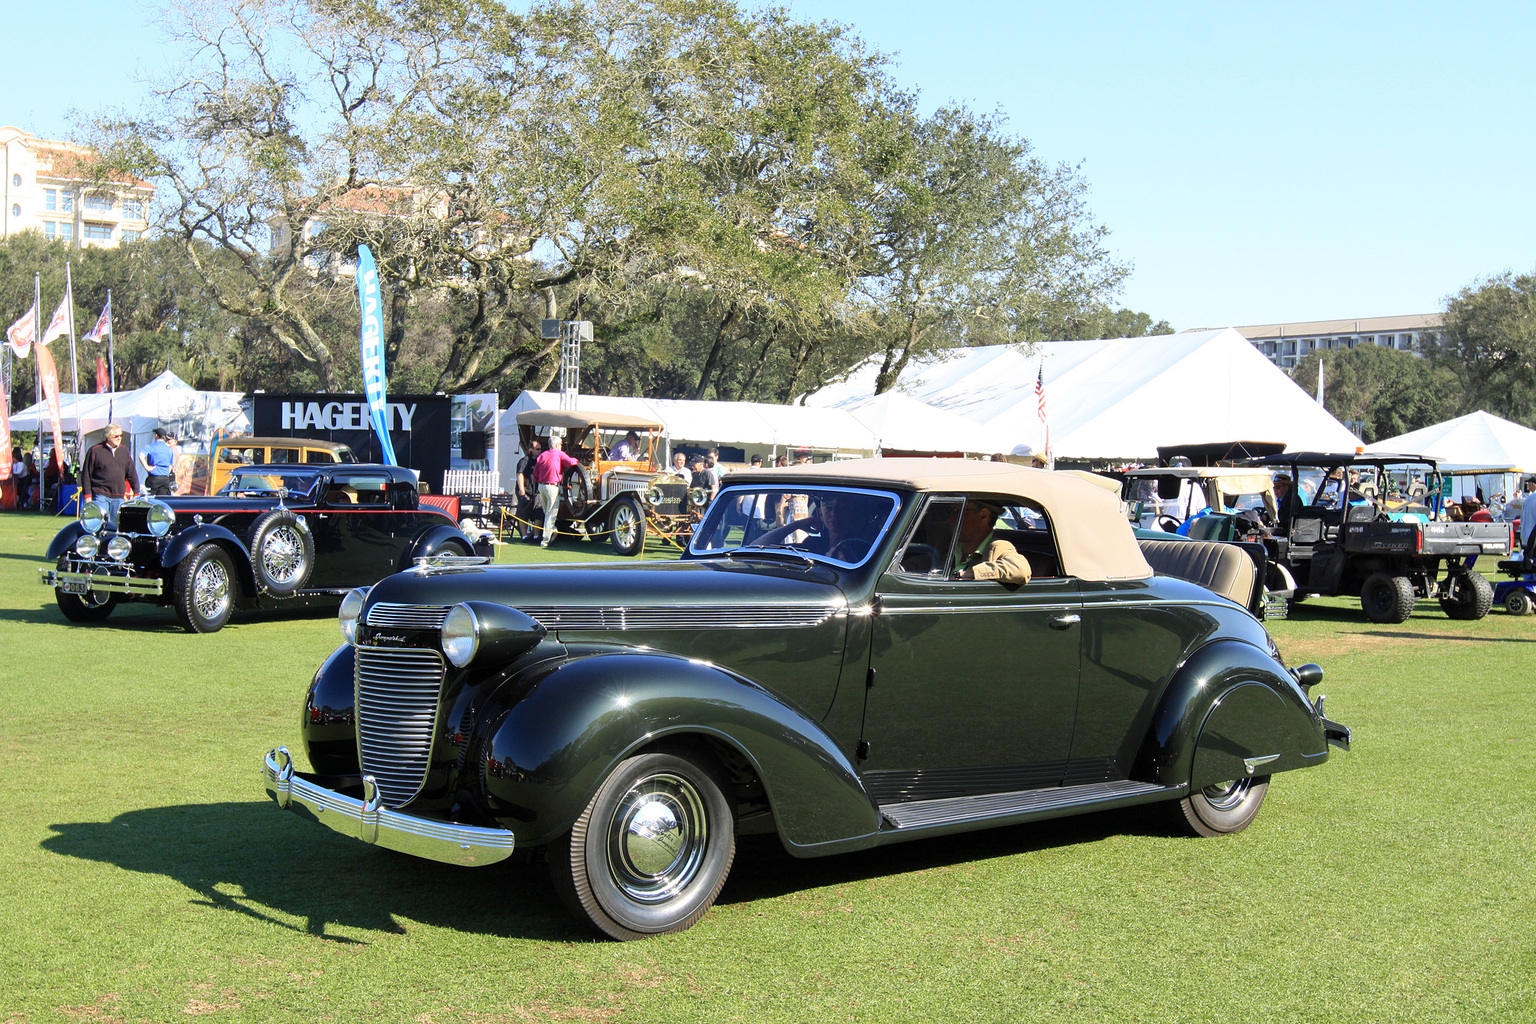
575	420
1093	538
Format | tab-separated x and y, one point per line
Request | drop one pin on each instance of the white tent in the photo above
166	401
901	423
1479	439
1115	399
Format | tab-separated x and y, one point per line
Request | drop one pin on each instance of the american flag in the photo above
1040	392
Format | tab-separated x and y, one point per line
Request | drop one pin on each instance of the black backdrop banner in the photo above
418	426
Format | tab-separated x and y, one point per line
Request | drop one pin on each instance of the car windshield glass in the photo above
264	482
842	525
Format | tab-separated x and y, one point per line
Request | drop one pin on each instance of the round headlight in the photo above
92	516
351	610
85	546
698	496
119	547
654	496
161	518
460	635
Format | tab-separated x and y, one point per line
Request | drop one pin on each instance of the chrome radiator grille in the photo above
398	691
407	616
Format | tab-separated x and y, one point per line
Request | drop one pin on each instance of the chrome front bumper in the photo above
101	582
369	820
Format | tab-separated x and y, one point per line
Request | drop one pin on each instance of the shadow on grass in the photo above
254	860
143	617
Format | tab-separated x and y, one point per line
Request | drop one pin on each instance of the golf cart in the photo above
1371	524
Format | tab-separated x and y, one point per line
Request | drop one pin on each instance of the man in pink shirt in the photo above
551	464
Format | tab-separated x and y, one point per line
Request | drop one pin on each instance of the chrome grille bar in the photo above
397	693
407	616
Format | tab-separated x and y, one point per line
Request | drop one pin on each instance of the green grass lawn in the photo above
144	876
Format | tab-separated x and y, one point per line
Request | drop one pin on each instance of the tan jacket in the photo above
1002	563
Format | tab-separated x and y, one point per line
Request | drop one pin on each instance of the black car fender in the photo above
544	753
329	726
179	545
64	541
1231	710
431	541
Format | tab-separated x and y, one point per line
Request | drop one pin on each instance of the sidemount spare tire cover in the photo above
282	552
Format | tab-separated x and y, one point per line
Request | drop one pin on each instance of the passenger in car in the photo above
983	557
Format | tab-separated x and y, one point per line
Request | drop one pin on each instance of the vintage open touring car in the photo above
835	679
276	536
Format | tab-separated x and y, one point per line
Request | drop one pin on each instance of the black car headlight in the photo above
492	633
161	518
86	546
351	610
119	548
92	516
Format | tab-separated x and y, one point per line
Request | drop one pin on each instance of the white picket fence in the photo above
470	481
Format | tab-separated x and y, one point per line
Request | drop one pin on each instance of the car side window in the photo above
927	551
365	489
284	456
1028	529
317	456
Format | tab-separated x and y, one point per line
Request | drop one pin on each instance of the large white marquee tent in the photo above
166	401
1118	399
1477	440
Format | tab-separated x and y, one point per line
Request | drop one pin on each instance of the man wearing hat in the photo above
983	557
158	461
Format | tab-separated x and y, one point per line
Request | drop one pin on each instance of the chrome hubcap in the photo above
210	589
1224	796
656	838
281	554
624	525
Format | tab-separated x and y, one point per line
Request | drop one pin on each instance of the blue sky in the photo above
1256	163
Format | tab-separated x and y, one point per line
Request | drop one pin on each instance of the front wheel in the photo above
1466	595
1224	808
92	606
204	589
1518	602
652	849
628	526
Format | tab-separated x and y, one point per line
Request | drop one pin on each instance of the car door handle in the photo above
1066	621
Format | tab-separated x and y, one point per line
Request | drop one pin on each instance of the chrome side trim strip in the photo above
368	820
782	617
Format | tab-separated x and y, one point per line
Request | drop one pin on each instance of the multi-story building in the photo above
47	189
1287	344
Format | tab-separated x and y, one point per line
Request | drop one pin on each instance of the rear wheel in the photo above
1224	808
1466	595
1518	602
204	589
1387	598
652	849
92	606
628	527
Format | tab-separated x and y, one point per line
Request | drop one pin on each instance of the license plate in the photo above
74	587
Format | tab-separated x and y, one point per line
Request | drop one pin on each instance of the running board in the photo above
1024	805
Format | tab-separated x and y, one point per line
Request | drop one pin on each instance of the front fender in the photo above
543	756
1230	704
179	545
430	541
64	541
329	724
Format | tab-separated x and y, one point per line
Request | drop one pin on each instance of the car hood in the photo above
691	590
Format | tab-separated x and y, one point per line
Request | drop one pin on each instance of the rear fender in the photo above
1230	712
545	752
431	541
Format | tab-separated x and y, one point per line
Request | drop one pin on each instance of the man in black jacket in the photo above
108	470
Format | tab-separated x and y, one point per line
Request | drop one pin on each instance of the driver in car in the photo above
842	527
984	557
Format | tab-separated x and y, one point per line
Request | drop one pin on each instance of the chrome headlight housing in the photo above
351	610
161	518
654	496
119	547
698	496
461	635
93	516
86	545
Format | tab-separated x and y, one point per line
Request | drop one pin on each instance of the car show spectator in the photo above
158	460
1528	511
108	471
19	478
547	472
628	449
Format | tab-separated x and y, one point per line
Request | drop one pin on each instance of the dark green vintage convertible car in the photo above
813	667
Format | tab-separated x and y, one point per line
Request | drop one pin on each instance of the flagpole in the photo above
37	333
74	366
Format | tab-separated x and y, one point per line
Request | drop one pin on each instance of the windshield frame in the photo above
285	471
719	508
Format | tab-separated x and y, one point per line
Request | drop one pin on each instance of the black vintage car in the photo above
828	678
278	536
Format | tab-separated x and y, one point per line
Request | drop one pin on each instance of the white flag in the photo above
59	325
19	334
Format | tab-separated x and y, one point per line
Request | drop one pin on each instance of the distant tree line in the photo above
745	205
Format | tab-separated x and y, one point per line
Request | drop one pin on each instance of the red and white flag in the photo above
103	325
50	375
59	325
5	438
1040	392
103	381
20	334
